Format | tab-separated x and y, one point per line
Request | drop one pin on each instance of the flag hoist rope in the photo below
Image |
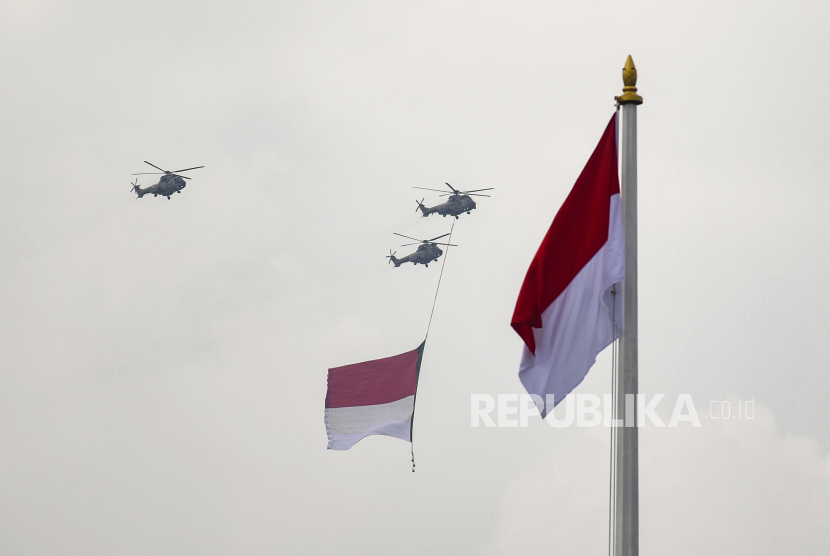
612	485
447	254
434	300
611	475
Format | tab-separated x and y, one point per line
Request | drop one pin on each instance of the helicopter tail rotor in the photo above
424	210
136	189
392	259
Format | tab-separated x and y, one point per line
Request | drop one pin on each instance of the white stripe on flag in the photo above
346	425
578	324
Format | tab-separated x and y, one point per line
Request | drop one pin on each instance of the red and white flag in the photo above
373	397
566	308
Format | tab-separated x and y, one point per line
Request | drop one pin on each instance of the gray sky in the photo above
163	363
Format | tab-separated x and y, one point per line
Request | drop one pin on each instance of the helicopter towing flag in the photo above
567	309
373	397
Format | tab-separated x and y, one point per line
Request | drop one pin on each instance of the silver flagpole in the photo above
626	527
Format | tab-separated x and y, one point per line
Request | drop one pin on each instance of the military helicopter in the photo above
425	254
168	184
458	202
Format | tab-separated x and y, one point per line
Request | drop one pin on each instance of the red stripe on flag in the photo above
373	382
579	230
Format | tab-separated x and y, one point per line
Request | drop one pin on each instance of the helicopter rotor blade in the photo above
178	176
156	167
449	244
476	195
408	244
186	169
147	173
454	190
477	190
427	189
439	237
407	237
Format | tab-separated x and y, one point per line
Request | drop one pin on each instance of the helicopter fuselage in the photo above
455	205
424	255
166	186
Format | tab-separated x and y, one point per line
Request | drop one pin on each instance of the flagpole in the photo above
626	529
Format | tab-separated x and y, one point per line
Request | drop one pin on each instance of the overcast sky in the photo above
163	363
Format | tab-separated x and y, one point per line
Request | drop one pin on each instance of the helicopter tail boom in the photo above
424	209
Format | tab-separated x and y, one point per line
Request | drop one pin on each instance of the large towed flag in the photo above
567	307
374	397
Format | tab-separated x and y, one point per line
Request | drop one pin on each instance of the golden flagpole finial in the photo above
630	81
